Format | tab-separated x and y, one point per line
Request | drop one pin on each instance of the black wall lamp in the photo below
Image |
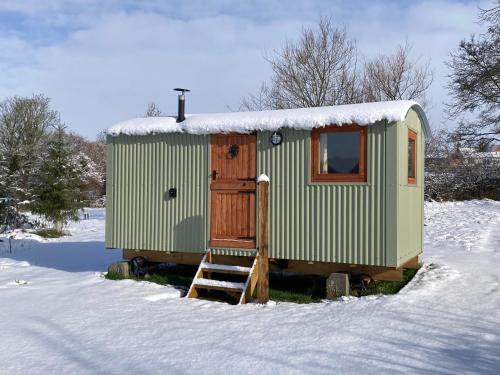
172	192
233	151
276	138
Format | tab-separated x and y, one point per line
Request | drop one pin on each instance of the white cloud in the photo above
114	60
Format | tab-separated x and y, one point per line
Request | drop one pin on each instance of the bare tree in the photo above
259	101
101	137
317	70
396	77
475	84
153	110
438	147
321	68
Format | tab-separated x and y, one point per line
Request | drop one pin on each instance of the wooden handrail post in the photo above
263	261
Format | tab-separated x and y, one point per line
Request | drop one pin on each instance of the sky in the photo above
102	62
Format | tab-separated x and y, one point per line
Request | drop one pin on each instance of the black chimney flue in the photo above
182	104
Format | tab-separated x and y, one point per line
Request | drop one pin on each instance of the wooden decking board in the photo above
218	284
224	268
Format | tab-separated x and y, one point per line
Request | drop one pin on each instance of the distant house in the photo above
464	173
346	190
470	156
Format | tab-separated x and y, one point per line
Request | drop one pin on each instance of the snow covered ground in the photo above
59	315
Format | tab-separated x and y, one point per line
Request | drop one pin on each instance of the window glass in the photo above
411	158
339	152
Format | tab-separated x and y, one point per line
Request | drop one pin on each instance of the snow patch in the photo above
163	296
263	178
218	283
19	282
224	267
428	277
71	319
6	264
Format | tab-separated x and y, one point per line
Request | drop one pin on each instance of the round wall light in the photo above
276	138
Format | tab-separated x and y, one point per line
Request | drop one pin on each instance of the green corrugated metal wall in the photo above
343	222
346	223
410	197
315	222
141	169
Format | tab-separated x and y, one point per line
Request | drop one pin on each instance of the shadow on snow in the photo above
64	256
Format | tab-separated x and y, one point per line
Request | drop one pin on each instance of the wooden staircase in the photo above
223	282
236	283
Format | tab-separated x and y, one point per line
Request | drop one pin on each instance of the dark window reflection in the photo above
339	152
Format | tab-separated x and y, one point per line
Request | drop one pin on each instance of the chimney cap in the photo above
180	89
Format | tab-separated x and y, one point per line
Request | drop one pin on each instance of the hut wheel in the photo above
138	267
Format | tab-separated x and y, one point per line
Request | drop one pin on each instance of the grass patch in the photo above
391	287
50	233
163	275
296	288
113	276
172	276
279	295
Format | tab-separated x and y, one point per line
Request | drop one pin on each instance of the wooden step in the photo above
224	268
201	286
219	285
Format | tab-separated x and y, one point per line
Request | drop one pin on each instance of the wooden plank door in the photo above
233	190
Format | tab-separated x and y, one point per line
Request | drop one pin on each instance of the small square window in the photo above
412	157
339	154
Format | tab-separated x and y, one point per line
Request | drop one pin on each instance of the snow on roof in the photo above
247	122
146	125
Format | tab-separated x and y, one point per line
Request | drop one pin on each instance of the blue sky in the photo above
103	61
